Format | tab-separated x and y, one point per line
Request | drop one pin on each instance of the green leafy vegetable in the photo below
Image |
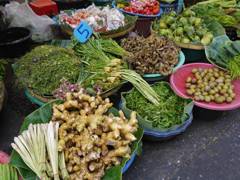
214	11
170	112
223	3
43	68
234	67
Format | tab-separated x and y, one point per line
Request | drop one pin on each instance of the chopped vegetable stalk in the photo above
7	172
31	147
51	138
36	146
62	166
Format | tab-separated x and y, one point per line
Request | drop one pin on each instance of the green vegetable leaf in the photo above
215	27
41	115
43	68
168	115
113	174
221	51
214	11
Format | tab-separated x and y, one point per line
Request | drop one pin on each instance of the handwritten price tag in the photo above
83	32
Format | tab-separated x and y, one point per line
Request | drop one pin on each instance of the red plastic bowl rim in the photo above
202	104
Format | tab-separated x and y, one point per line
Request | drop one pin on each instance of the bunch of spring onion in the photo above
99	56
104	47
36	146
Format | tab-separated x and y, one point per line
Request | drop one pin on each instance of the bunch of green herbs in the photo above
98	49
234	67
105	69
226	54
215	12
100	65
222	3
42	69
166	114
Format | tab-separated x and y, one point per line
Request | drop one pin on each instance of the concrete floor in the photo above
208	150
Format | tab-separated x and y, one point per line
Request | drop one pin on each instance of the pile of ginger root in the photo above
92	139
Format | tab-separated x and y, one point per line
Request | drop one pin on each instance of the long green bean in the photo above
141	85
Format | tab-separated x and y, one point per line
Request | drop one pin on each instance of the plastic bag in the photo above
21	15
3	22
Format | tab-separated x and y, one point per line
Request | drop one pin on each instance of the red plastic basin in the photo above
177	81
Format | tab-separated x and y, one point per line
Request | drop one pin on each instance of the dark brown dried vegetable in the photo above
151	55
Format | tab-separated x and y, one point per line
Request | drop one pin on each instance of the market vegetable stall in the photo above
77	132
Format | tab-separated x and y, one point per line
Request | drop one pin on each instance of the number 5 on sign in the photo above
83	32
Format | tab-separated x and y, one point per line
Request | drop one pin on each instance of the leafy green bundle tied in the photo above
42	69
166	114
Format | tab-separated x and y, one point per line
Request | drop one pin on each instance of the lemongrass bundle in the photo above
49	170
141	85
62	166
51	138
30	145
7	172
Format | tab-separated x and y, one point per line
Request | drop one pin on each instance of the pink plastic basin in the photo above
178	78
4	158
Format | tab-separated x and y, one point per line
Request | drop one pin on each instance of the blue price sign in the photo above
83	32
